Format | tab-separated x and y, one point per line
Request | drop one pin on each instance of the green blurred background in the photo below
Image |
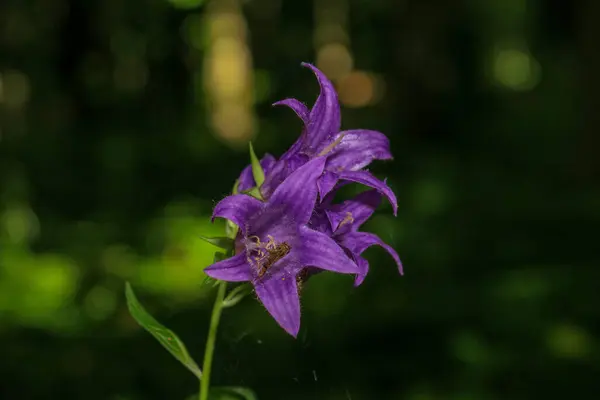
123	122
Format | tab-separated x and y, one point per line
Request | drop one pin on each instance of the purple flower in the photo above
344	221
341	222
275	243
348	152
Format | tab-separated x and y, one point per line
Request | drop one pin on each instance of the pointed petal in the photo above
357	148
246	178
297	194
279	295
355	211
325	116
326	183
357	242
237	208
366	178
233	269
301	111
363	266
297	106
323	252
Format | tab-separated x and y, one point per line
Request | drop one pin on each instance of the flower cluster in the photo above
288	226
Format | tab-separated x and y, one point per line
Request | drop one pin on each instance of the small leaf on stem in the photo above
166	337
254	192
257	170
236	185
236	295
225	243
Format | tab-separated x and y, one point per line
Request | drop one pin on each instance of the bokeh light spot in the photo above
20	224
100	302
334	60
357	89
15	89
469	348
516	69
569	341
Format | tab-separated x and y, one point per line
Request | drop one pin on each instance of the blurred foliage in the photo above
123	122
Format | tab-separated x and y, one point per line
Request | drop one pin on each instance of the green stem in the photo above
210	341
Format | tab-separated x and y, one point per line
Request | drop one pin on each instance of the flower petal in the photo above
297	194
355	211
237	208
297	106
279	295
323	252
246	178
233	269
325	119
363	266
326	183
366	178
320	222
281	170
357	242
357	148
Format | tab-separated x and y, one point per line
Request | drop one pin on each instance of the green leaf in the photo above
225	243
236	186
210	281
257	171
237	294
254	192
231	229
232	393
165	337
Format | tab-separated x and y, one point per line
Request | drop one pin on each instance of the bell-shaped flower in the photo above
342	221
275	243
348	152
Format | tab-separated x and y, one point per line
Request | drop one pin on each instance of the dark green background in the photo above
491	109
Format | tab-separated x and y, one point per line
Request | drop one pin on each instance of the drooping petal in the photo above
297	106
354	212
323	252
246	178
357	242
303	112
279	295
237	208
233	269
363	266
324	117
357	148
297	194
366	178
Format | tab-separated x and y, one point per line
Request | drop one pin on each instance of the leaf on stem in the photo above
257	171
236	295
224	243
166	337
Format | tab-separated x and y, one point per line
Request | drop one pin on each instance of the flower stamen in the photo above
331	145
348	219
266	254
